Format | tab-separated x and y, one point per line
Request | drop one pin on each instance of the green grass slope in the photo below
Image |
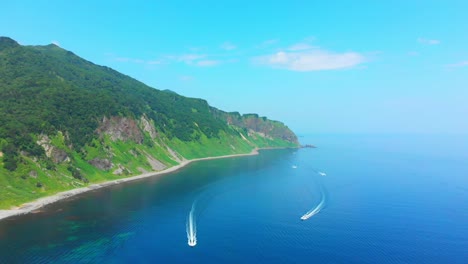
66	123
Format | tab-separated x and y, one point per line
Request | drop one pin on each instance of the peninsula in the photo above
68	126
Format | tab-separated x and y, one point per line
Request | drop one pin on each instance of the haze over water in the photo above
389	199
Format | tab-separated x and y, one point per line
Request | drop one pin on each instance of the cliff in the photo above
66	122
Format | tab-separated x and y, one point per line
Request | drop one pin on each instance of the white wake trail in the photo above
319	207
315	210
191	227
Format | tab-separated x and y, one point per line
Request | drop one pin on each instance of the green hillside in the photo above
66	122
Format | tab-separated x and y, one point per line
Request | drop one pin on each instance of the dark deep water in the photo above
387	199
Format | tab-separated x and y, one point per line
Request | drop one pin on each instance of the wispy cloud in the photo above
303	57
195	59
228	46
458	64
428	41
134	60
55	42
413	53
208	63
199	60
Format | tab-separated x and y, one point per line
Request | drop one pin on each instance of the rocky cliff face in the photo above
261	125
121	128
56	154
102	164
148	126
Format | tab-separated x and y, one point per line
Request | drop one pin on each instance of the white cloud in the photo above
134	60
195	60
413	53
228	46
311	60
458	64
207	63
56	43
428	41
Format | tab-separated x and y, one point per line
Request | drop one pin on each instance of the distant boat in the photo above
322	173
294	166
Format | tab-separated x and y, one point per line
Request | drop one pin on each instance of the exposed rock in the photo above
121	128
147	126
260	125
140	169
44	141
120	170
33	174
1	154
243	137
59	155
261	134
176	156
102	164
156	165
55	154
134	153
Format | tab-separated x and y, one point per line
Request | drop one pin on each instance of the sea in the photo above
353	199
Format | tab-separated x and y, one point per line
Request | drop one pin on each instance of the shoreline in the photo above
32	206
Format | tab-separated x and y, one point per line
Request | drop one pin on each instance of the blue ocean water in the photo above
386	199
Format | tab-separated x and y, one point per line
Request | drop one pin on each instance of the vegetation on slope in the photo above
65	122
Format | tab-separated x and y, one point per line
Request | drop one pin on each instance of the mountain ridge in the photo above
66	121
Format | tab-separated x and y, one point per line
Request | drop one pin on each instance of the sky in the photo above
318	66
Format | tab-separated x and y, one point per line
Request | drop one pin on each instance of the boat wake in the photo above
315	210
198	207
319	207
191	227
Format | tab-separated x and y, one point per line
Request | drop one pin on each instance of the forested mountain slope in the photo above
65	122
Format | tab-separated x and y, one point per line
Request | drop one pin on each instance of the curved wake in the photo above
315	210
191	227
319	207
207	194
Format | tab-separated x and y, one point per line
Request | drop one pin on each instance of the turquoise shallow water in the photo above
387	199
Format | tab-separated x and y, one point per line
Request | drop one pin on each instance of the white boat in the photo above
192	242
310	214
322	173
294	166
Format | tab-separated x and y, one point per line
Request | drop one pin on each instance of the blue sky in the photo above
318	66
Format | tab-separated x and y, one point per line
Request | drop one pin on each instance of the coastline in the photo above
29	207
